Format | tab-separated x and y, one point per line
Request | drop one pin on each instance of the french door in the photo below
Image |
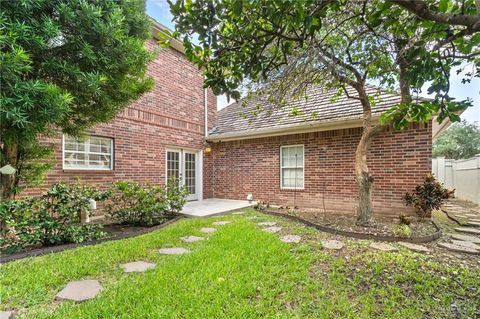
184	166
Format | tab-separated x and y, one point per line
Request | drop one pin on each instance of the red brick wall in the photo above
172	114
398	161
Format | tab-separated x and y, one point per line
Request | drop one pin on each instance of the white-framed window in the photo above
292	167
91	153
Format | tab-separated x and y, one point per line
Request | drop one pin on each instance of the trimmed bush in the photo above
428	196
146	205
51	219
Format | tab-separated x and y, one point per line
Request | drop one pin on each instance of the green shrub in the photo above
51	219
147	205
402	230
428	196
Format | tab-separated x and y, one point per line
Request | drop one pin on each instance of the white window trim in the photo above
282	167
111	154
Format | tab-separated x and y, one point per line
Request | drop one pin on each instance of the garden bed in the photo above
384	229
114	232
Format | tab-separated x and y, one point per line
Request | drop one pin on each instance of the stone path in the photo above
332	244
7	314
267	224
173	251
137	266
272	229
79	291
208	230
469	216
472	239
291	239
414	247
221	223
383	247
191	239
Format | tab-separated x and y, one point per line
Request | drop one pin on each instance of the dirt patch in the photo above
347	223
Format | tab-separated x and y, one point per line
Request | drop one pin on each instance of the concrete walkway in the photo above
213	206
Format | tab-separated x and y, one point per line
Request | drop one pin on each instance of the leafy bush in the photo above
428	196
402	230
139	205
404	219
51	219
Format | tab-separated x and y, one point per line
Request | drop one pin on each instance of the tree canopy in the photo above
461	140
65	66
279	48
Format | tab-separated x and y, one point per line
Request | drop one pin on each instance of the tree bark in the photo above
7	182
362	175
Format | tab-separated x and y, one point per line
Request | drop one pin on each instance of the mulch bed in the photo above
422	230
115	232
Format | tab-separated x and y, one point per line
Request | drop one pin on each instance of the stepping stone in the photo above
458	248
7	314
238	213
267	224
191	239
471	215
414	247
465	244
291	239
79	291
468	230
208	230
332	244
272	229
173	251
221	223
474	224
383	247
138	266
252	217
471	239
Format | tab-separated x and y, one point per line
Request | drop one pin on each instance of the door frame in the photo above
198	167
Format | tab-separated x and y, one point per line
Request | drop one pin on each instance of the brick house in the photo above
159	135
307	160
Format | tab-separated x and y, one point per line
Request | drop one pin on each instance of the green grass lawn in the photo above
242	272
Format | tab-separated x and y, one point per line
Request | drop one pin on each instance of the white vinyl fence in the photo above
463	175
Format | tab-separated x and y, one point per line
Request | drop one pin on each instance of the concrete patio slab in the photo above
79	291
213	206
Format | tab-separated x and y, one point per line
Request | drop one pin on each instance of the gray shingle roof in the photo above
239	117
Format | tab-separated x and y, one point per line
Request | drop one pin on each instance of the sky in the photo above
159	10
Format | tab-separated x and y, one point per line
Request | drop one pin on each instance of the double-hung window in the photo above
91	153
292	167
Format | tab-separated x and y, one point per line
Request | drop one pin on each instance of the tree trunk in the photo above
362	175
7	182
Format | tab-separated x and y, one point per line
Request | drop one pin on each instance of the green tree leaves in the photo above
67	66
461	140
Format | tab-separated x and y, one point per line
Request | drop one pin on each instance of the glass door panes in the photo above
190	169
173	165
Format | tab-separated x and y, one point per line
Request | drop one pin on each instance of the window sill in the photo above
89	171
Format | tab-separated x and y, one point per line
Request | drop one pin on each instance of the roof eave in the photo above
157	27
288	130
